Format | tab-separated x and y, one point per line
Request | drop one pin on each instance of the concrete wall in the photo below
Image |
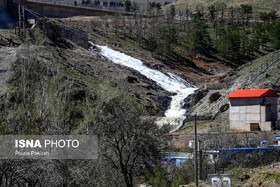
244	111
271	108
63	11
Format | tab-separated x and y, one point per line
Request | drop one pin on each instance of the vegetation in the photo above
45	96
49	96
230	35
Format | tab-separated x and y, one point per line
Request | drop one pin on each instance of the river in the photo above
169	81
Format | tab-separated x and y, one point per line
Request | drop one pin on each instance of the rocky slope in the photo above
210	100
101	31
89	64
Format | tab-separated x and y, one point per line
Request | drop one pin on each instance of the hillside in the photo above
113	77
198	71
258	5
261	176
253	75
78	74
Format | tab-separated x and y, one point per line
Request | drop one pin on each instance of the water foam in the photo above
169	82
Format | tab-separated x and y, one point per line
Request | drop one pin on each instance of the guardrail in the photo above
252	77
261	69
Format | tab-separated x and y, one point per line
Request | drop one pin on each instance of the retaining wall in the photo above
63	11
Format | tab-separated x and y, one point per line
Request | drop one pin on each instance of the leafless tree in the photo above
129	142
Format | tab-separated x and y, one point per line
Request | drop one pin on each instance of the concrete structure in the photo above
223	154
278	139
220	180
60	11
252	110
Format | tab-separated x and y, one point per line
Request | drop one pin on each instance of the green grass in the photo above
238	173
272	176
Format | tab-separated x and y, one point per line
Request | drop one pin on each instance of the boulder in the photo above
224	108
214	97
163	101
194	98
132	79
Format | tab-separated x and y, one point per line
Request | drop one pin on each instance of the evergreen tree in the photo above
127	5
168	37
134	7
212	12
228	45
273	15
172	11
274	35
200	41
246	11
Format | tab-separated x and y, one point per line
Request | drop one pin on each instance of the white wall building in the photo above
252	110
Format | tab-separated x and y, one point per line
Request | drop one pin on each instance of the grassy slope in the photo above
259	5
60	83
261	176
269	79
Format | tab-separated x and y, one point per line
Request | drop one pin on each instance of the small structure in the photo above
223	154
253	110
278	139
220	180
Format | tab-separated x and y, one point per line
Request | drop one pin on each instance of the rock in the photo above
246	177
224	108
78	95
157	67
214	97
163	101
147	86
4	42
149	93
132	79
194	98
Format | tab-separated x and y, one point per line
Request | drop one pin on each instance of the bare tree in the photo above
129	142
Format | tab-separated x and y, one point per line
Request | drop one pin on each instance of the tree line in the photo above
232	35
126	4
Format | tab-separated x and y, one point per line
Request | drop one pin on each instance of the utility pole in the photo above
200	160
19	21
195	153
147	7
23	20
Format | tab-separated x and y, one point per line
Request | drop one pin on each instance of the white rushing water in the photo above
170	82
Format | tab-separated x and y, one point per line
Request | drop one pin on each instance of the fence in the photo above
221	102
189	121
173	126
184	123
176	154
269	62
253	76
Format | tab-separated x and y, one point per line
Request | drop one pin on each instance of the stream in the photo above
169	81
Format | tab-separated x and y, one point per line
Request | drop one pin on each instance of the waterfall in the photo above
169	81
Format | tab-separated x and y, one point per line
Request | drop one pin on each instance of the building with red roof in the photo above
254	109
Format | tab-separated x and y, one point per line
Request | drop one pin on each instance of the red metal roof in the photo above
252	93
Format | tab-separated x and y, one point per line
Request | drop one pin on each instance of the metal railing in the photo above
264	66
252	77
